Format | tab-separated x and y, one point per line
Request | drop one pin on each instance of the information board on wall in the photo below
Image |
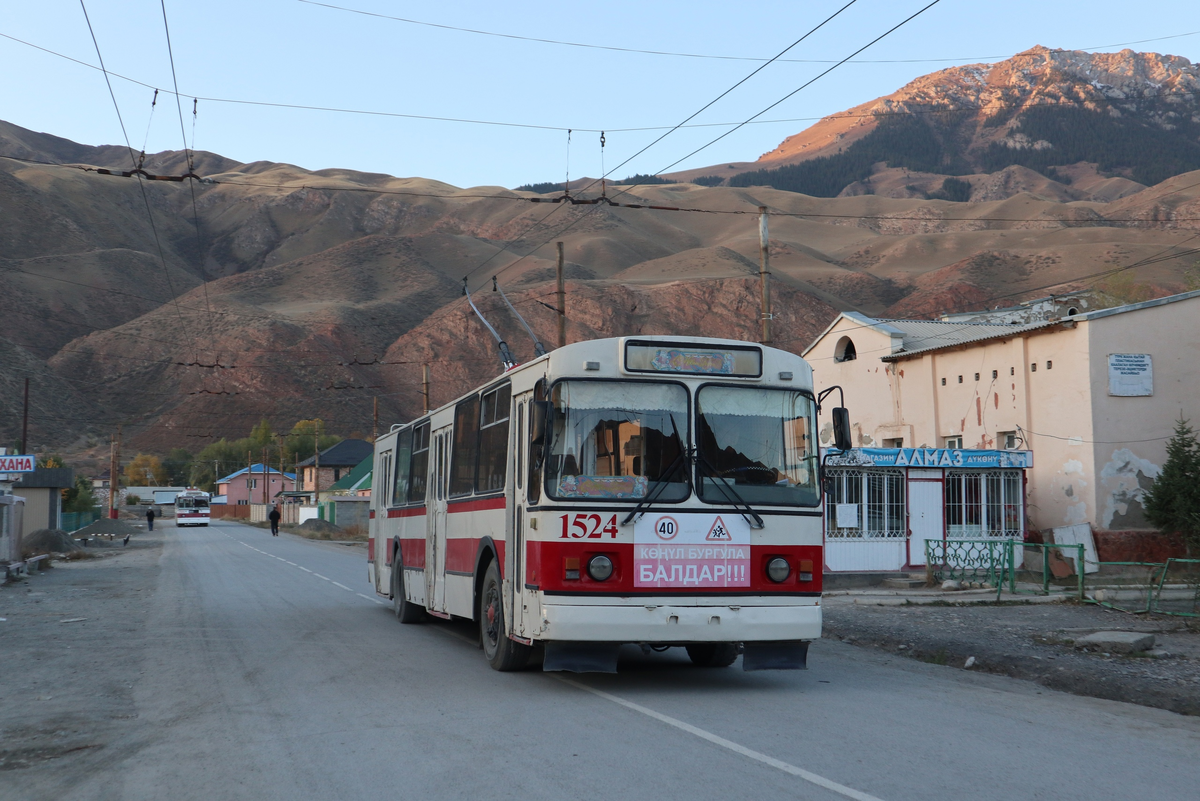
1130	375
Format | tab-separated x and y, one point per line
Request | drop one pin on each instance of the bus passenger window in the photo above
403	465
493	440
520	447
466	447
419	476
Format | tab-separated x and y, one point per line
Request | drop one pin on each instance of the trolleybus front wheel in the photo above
501	652
406	611
713	654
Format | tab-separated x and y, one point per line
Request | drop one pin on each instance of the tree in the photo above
50	460
179	466
146	471
1173	501
80	497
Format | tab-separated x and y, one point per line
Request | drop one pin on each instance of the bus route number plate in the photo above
689	550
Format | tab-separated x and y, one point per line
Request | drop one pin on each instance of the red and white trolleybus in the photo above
191	508
650	490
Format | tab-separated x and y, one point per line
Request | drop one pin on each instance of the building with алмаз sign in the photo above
883	504
1093	393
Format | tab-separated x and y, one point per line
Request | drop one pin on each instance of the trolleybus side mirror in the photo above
841	428
537	424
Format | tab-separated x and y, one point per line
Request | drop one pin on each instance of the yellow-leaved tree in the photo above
146	471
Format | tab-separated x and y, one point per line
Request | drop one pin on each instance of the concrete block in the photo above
1116	642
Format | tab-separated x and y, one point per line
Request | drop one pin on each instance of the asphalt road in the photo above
266	669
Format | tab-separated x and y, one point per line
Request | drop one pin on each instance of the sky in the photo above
302	53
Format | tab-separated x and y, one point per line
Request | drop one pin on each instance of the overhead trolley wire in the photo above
564	128
688	55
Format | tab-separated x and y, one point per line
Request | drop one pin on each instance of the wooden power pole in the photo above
317	464
375	419
562	300
425	387
25	422
764	274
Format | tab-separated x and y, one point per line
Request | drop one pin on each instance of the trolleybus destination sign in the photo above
703	551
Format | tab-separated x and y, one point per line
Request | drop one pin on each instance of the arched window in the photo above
844	351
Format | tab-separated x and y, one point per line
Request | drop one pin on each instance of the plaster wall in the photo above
1131	442
865	381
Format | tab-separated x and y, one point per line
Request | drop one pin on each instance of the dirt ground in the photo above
1035	642
67	645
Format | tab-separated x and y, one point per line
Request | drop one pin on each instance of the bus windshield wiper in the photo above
734	497
661	482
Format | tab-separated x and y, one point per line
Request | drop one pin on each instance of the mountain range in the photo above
267	290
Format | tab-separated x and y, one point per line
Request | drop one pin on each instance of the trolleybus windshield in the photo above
191	503
614	440
759	441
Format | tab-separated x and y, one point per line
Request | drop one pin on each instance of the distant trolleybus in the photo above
650	490
191	508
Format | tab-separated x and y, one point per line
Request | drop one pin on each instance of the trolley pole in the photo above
425	387
562	300
764	274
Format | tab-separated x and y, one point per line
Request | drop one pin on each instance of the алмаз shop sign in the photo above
928	457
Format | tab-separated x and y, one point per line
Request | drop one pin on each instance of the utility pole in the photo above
282	477
375	419
562	300
114	478
425	387
266	474
764	273
25	422
317	465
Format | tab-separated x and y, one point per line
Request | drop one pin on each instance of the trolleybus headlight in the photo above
778	569
600	567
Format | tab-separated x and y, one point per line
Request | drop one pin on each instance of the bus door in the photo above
514	554
435	532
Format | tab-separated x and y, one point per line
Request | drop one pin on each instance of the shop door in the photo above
926	513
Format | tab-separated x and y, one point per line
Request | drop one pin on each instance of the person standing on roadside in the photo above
150	518
274	518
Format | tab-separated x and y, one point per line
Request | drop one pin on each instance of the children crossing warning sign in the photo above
718	532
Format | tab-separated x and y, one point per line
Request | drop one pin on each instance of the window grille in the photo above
984	504
880	497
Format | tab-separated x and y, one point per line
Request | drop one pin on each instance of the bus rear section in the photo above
191	508
663	493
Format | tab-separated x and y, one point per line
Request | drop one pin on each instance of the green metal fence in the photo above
1043	575
1178	589
73	521
991	563
977	563
1124	586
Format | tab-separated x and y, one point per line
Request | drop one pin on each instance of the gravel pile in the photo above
319	526
48	540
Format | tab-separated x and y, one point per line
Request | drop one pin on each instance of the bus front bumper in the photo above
666	624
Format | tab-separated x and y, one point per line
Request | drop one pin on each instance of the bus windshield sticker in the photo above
686	550
602	487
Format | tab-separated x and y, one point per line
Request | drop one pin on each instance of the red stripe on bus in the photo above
476	506
412	553
411	511
462	551
545	565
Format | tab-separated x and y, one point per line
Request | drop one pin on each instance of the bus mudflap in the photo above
581	657
775	656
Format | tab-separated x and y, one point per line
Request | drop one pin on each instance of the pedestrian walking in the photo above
274	518
150	518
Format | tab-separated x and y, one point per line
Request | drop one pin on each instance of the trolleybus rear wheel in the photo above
500	652
713	654
406	611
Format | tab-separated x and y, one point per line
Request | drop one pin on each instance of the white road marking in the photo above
306	570
801	773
